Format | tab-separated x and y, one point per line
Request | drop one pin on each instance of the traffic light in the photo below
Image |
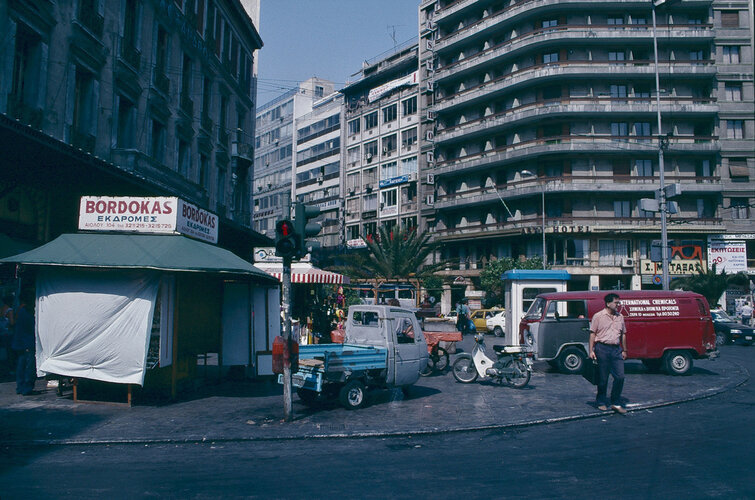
304	229
286	239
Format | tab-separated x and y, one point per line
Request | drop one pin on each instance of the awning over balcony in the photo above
302	272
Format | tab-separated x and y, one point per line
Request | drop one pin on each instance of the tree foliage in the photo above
490	276
709	283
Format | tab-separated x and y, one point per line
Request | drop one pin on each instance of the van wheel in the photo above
498	331
352	395
678	362
571	360
652	365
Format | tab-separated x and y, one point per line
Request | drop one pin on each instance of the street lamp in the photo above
542	192
662	194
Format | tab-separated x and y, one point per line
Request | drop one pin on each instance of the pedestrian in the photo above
6	334
608	346
23	344
462	316
746	314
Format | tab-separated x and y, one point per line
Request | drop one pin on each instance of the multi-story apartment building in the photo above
545	121
126	97
275	145
318	166
381	147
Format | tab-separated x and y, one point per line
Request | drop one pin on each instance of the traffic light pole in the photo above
288	406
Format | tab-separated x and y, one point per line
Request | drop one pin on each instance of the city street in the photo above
698	449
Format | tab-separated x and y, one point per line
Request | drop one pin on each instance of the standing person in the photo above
608	345
23	343
462	316
746	314
6	332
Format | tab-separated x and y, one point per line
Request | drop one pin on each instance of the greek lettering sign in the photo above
727	255
652	308
161	215
676	267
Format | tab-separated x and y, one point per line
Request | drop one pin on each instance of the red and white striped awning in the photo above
302	272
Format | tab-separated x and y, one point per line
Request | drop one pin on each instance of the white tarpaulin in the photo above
94	324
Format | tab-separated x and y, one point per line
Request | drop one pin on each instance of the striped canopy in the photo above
302	272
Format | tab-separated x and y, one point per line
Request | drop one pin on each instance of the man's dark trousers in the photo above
26	372
609	361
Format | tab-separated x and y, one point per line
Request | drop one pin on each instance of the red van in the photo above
664	329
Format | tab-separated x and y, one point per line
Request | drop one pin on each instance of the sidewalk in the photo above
253	410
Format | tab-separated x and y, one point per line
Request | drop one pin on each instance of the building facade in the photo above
275	148
126	97
545	123
318	167
381	147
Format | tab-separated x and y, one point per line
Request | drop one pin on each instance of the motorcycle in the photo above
512	367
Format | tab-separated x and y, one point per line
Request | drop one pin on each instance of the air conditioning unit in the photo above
412	177
352	191
320	179
431	178
385	150
430	199
627	262
368	188
369	157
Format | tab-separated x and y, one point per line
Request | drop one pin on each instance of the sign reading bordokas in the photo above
164	215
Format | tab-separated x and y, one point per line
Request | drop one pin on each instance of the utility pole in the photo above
288	404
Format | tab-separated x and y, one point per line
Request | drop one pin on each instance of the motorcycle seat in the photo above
509	349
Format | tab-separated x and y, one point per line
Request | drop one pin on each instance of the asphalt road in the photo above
700	449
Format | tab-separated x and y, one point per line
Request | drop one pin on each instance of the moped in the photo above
512	366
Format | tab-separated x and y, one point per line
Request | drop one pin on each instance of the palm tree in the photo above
394	256
709	283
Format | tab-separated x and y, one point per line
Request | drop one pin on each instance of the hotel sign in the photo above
155	215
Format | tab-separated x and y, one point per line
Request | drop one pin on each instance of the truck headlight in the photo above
529	339
735	331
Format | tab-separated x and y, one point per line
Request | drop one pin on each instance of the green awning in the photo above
138	251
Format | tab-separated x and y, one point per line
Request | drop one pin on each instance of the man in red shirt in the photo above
609	346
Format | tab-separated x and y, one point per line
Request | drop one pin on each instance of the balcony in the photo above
162	83
130	55
82	140
24	113
89	18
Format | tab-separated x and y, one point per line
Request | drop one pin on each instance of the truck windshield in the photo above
536	309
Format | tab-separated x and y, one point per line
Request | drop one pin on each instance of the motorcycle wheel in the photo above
464	370
521	375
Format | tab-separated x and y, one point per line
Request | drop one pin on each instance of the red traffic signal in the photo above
286	240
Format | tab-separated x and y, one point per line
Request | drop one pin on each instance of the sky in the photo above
326	38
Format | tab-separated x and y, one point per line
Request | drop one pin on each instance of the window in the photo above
738	170
352	232
354	126
369	177
614	56
408	165
370	150
644	168
186	83
126	123
84	114
731	54
702	169
705	208
388	199
615	21
184	158
409	193
618	91
409	106
622	208
204	171
221	186
696	55
388	170
369	230
371	120
577	252
319	91
730	18
370	202
550	57
161	56
549	23
619	129
157	141
733	91
612	252
639	20
641	129
642	91
352	155
740	208
390	113
734	129
408	138
206	97
389	144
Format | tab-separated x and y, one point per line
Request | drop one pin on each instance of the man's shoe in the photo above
619	409
602	408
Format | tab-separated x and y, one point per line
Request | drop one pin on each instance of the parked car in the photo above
729	331
480	317
497	323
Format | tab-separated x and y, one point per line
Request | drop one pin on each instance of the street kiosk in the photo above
520	288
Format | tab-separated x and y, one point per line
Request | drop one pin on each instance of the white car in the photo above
497	323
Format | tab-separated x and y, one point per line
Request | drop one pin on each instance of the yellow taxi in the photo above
481	316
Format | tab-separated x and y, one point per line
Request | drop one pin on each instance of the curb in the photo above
707	393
